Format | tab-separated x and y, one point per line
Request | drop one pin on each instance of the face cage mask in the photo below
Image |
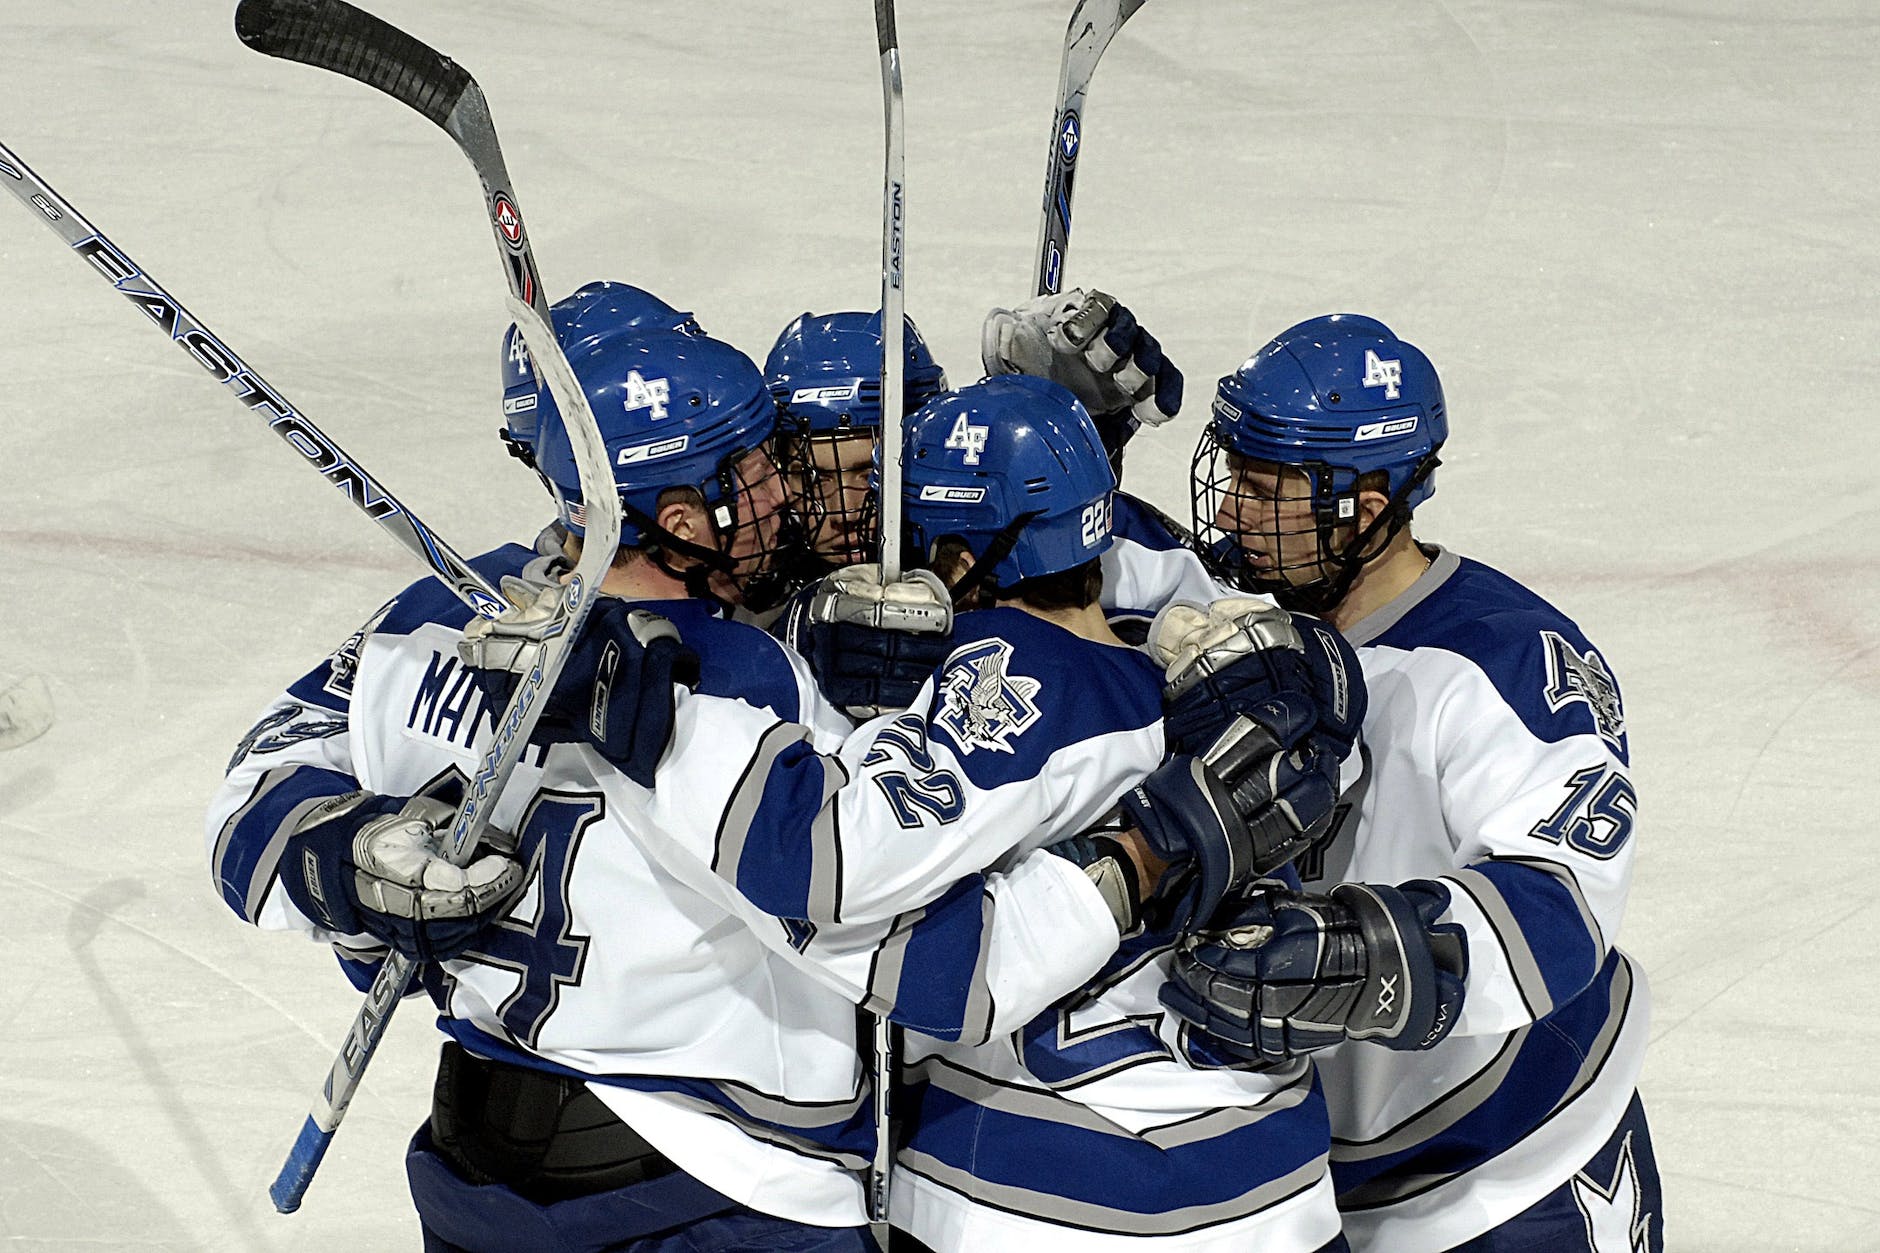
834	506
1214	477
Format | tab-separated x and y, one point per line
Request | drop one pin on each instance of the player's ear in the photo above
685	519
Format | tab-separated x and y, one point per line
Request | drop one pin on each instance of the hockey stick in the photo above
1093	24
893	294
888	493
332	35
209	352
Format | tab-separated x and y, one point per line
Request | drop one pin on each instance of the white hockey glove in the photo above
871	645
369	864
1088	343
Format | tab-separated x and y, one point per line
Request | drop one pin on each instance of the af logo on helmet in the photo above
647	394
970	437
1385	374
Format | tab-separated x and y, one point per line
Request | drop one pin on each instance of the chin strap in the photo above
998	550
1321	595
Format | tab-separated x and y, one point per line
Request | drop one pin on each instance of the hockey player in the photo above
825	372
1498	803
634	1051
1091	1118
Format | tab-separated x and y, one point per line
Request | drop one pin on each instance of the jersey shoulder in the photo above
736	659
428	600
1137	521
1537	658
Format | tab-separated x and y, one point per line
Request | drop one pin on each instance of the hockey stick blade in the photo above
25	712
207	350
349	41
333	35
1093	24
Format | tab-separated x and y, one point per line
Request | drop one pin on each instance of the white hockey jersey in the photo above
1497	763
723	1035
1092	1127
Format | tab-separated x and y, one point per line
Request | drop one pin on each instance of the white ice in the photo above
1637	237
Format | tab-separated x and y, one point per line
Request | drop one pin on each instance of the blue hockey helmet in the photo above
825	371
597	311
675	410
1345	403
1014	466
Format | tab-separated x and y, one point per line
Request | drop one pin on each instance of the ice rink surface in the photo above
1636	236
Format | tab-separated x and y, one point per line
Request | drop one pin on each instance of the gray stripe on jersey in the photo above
255	891
735	826
976	1018
1572	884
765	1133
1619	1000
1389	1190
825	841
1444	1113
1044	1106
1366	629
1073	1213
799	1115
884	972
1528	979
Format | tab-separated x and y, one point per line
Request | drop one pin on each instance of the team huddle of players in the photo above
1245	886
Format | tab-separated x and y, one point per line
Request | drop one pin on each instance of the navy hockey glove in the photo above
364	864
871	646
1091	345
1292	674
1290	973
615	688
1245	808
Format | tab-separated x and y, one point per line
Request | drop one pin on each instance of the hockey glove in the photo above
615	688
1088	343
1291	673
1243	809
1290	973
364	864
871	646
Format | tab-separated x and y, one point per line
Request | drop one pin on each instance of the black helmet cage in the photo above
754	581
817	503
1212	478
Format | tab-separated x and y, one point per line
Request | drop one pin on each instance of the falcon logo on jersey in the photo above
647	394
981	705
1385	374
1573	675
969	437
